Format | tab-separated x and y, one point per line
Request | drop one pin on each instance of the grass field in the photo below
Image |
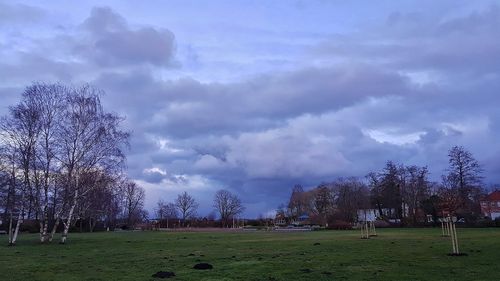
396	254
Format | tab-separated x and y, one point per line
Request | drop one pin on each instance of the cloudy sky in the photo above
256	96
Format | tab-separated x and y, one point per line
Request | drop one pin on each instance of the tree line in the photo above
227	206
397	192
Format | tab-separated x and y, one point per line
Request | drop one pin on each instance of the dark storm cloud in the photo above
111	42
187	108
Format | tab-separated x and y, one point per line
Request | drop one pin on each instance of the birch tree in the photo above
90	140
20	132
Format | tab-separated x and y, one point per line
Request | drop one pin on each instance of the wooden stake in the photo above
450	226
364	230
455	238
373	232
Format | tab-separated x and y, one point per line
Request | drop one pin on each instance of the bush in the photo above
30	226
340	225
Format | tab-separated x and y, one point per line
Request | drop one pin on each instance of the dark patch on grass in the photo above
458	255
316	244
163	274
203	266
190	255
305	270
326	273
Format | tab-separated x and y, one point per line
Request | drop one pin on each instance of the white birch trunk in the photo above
67	224
10	229
18	225
44	226
54	229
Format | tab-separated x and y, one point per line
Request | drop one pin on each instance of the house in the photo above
280	220
490	205
302	220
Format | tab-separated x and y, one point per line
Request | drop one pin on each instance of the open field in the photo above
396	254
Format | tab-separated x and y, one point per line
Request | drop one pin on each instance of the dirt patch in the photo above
457	255
203	266
163	274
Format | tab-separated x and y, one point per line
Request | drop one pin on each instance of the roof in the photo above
494	196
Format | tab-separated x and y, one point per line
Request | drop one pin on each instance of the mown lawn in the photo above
396	254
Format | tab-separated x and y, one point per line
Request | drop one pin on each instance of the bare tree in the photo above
323	201
134	196
464	178
20	132
186	205
52	141
227	205
48	100
299	202
350	195
90	140
416	190
165	211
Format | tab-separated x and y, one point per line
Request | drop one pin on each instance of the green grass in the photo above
396	254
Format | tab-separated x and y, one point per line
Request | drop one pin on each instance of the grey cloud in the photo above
19	14
187	108
111	42
418	42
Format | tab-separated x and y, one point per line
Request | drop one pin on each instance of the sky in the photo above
257	96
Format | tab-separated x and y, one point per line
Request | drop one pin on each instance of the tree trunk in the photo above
45	224
54	229
18	225
67	224
92	224
10	229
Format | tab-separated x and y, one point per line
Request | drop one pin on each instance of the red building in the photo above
490	206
